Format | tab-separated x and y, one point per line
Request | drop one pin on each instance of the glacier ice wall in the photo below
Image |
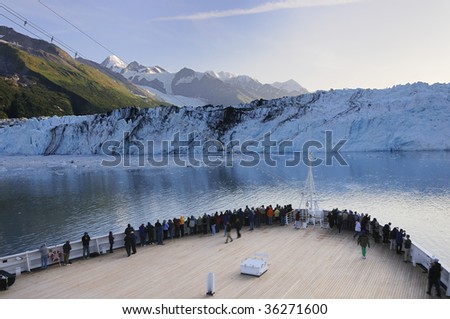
405	118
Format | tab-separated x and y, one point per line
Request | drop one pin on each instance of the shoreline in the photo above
10	163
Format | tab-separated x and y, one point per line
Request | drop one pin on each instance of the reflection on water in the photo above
412	190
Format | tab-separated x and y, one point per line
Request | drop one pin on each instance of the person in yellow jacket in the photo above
182	226
276	214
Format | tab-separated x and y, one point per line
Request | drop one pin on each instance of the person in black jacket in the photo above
130	231
111	241
228	232
159	232
363	241
128	240
392	237
66	252
151	233
434	277
238	227
85	241
386	231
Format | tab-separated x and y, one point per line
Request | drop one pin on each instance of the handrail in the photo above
418	256
29	260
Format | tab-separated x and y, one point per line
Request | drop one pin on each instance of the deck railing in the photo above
30	260
419	256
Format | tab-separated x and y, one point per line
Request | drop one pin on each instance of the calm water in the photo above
52	203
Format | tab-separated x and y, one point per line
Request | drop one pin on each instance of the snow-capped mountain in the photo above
199	88
403	118
114	63
290	86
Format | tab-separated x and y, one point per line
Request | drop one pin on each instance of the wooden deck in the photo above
303	264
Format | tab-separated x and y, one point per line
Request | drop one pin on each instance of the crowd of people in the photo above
206	224
393	237
364	227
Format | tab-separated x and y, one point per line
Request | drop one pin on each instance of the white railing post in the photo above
98	247
28	262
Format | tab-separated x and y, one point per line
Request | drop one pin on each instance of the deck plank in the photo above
303	264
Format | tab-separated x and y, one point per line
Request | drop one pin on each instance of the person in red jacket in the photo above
270	215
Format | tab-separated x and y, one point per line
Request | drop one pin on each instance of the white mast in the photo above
309	205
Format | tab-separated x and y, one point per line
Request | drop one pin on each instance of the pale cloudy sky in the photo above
321	44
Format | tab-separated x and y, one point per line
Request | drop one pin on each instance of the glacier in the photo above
411	117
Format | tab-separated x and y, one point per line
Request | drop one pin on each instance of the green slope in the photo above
48	84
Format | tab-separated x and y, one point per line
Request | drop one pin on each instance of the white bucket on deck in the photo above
18	271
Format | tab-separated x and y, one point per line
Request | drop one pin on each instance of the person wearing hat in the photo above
434	277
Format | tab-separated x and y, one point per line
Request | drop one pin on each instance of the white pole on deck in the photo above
211	284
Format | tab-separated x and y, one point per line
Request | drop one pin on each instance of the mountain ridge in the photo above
230	89
38	78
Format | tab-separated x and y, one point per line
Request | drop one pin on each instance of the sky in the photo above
321	44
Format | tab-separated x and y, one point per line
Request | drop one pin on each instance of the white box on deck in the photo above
256	265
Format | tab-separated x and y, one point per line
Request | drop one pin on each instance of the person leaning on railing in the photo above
407	245
66	252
